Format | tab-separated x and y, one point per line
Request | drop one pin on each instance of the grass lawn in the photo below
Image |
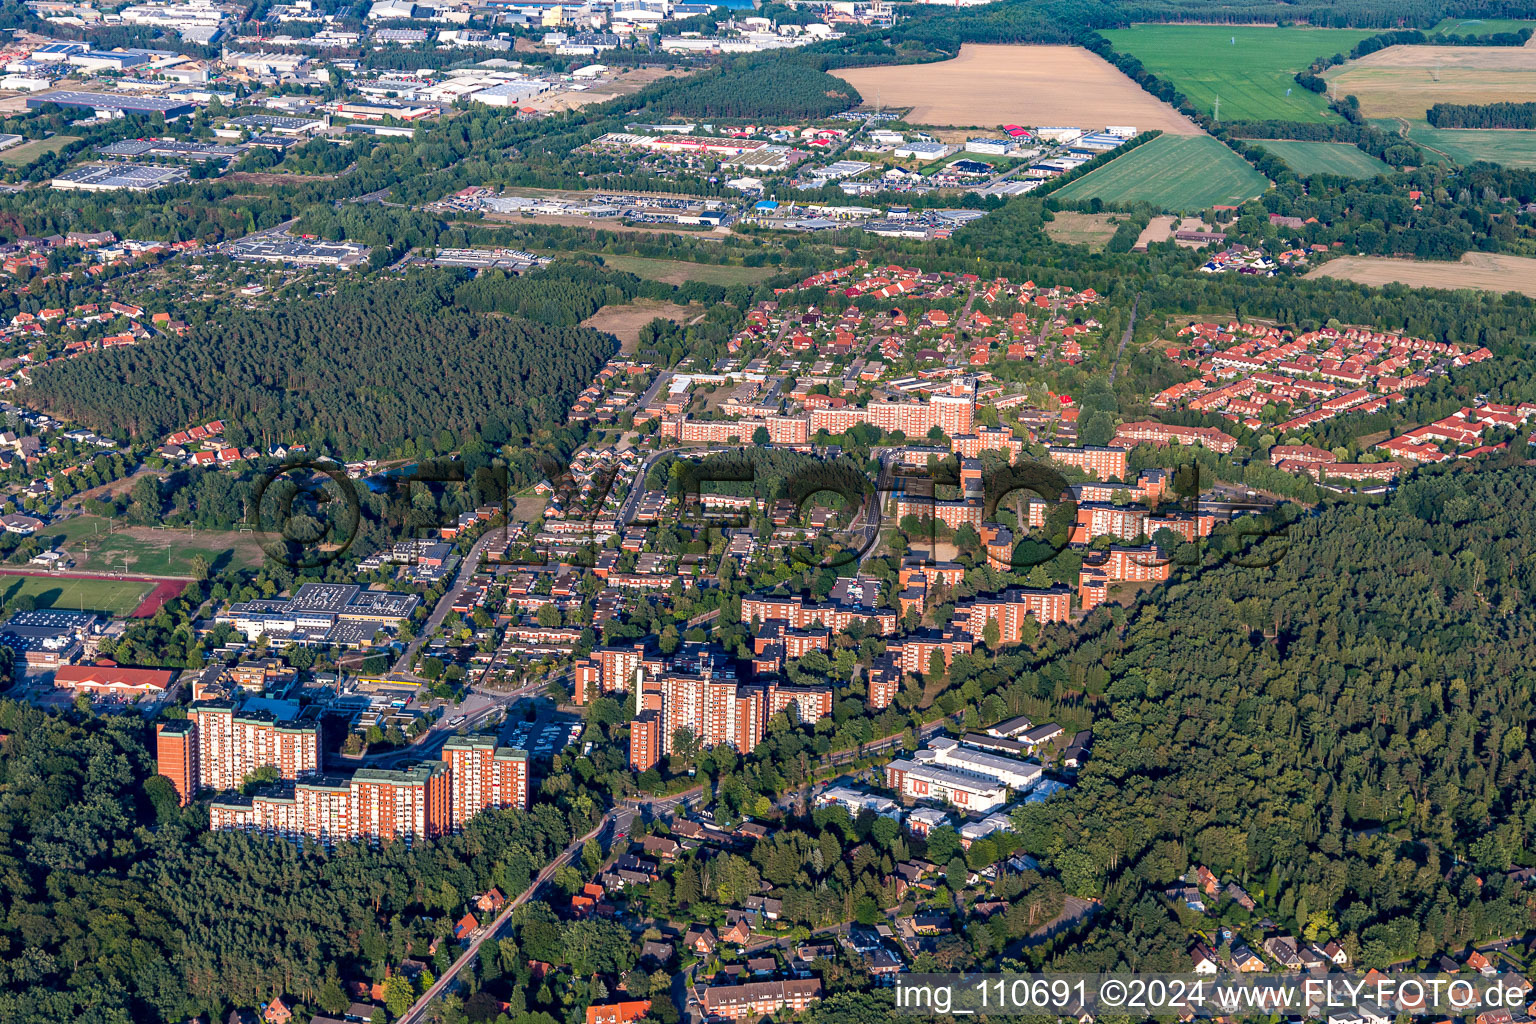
109	597
1325	158
1510	147
26	152
1091	229
149	551
1180	173
682	271
1252	78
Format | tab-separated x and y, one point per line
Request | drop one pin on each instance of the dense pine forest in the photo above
1347	731
354	372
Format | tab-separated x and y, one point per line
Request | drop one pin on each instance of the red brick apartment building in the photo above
217	747
883	682
913	652
1010	608
760	998
1122	563
232	743
1300	453
176	755
716	709
1153	432
606	670
377	804
806	705
799	613
1102	461
482	776
953	410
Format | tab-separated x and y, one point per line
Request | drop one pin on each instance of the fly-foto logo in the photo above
832	513
306	514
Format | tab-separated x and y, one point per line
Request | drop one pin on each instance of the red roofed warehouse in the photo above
114	679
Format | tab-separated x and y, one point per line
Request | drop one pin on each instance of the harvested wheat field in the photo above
991	85
1405	81
1483	271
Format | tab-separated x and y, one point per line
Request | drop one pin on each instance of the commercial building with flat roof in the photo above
113	104
916	780
120	177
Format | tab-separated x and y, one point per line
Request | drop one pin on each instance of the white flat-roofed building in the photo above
1124	131
1058	133
840	169
25	83
857	800
990	147
995	822
509	94
917	780
922	151
1008	771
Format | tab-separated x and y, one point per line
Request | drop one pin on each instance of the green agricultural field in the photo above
1478	26
1325	158
1510	147
1180	173
109	597
1248	69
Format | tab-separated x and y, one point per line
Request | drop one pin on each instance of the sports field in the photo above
109	597
1325	158
991	85
1178	173
143	549
1405	81
1483	271
1247	69
1510	147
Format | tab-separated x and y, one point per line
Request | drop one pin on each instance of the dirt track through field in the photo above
1489	272
991	85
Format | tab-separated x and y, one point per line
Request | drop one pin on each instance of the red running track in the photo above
165	589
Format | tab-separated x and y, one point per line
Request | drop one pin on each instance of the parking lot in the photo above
549	733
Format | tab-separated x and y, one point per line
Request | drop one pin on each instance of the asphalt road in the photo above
418	1011
401	672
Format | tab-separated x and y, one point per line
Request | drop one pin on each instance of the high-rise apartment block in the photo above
233	742
697	693
176	754
219	746
482	776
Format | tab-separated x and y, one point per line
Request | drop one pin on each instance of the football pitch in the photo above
1245	70
1325	158
117	598
1179	173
